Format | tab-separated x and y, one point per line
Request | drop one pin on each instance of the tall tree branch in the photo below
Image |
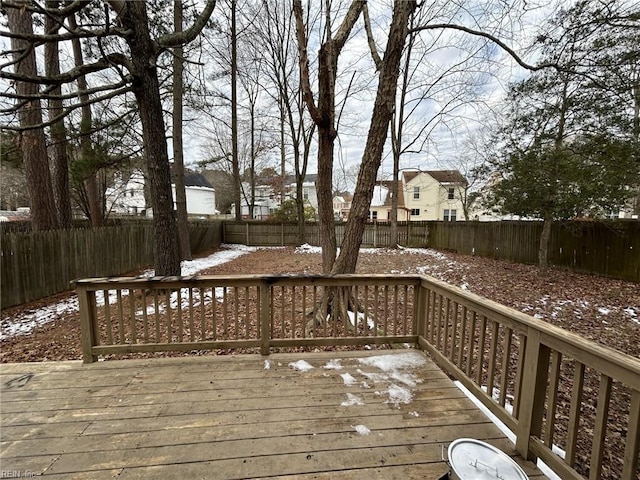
494	39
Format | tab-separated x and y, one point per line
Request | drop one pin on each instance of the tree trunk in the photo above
545	236
324	115
326	135
235	161
394	240
60	178
178	151
336	302
89	168
147	91
252	155
376	138
34	150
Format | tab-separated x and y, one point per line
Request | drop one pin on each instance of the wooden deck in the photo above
230	417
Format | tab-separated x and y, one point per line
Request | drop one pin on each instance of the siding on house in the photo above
422	196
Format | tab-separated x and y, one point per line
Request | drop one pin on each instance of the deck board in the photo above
229	417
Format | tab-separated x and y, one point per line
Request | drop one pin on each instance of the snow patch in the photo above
391	363
267	364
333	364
354	320
306	248
352	400
348	379
361	429
398	395
301	366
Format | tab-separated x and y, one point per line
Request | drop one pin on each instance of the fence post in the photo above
88	326
534	388
265	318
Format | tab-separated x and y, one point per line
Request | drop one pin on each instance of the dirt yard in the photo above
604	310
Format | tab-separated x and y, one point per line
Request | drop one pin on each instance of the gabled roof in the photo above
441	176
408	176
191	178
308	178
447	176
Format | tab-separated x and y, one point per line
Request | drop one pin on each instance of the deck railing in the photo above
565	398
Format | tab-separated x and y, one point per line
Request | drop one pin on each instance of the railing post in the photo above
534	389
418	312
630	467
88	326
265	318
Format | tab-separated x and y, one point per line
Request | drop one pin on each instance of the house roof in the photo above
408	176
389	185
447	176
441	176
191	178
380	194
309	178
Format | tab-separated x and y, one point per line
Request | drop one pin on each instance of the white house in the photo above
428	195
342	206
309	192
127	196
266	199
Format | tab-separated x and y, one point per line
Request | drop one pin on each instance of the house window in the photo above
416	193
450	215
415	212
373	214
451	194
305	194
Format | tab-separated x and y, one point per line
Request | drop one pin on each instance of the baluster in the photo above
600	429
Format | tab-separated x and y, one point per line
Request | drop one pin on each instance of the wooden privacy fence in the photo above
38	264
283	234
606	248
553	389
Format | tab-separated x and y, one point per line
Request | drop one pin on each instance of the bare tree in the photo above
323	112
43	215
177	143
338	301
59	143
88	166
277	39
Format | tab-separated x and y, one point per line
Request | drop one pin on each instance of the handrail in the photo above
499	354
533	376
